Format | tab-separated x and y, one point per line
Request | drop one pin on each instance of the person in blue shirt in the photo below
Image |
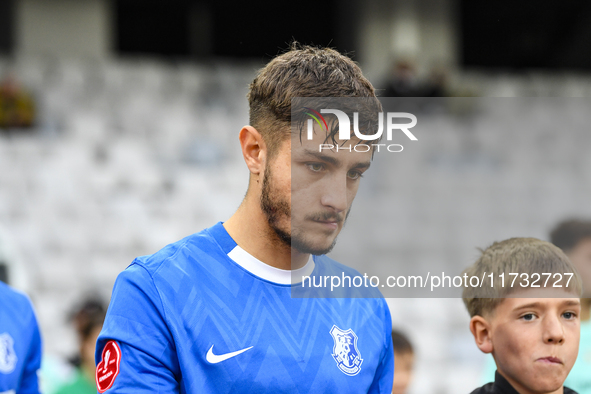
215	312
20	343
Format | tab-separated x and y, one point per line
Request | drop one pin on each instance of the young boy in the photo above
403	362
530	325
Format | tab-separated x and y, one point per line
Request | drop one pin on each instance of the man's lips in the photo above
550	360
328	220
329	223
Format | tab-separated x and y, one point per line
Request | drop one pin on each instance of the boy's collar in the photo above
502	385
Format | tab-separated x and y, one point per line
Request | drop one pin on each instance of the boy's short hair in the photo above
401	343
88	316
303	71
515	255
566	235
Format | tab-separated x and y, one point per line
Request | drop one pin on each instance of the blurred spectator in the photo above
403	81
403	362
17	107
437	83
88	321
574	238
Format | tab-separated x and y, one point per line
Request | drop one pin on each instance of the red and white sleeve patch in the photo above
108	369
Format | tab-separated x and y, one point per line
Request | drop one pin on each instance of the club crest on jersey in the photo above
7	354
345	351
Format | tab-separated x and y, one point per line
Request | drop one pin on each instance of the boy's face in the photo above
403	363
535	341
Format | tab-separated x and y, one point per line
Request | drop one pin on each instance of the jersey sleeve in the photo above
135	350
384	377
30	381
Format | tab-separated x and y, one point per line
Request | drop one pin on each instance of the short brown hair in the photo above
566	235
515	255
401	343
303	71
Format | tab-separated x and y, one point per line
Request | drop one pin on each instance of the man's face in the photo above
319	187
580	256
536	340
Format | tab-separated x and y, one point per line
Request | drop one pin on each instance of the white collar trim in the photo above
267	272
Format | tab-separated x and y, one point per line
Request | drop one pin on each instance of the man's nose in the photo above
334	193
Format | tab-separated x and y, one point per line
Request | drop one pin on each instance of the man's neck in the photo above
251	231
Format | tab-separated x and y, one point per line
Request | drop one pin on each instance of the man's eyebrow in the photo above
362	165
334	161
320	156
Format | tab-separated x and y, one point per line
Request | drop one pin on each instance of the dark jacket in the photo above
501	386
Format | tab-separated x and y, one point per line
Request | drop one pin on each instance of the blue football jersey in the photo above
204	316
20	343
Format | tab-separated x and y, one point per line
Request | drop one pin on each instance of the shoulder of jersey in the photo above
12	295
16	303
193	245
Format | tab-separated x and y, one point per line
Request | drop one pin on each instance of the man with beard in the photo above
214	312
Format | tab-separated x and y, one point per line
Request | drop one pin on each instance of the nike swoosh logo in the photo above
215	358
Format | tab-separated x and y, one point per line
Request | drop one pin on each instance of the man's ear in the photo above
254	149
481	330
